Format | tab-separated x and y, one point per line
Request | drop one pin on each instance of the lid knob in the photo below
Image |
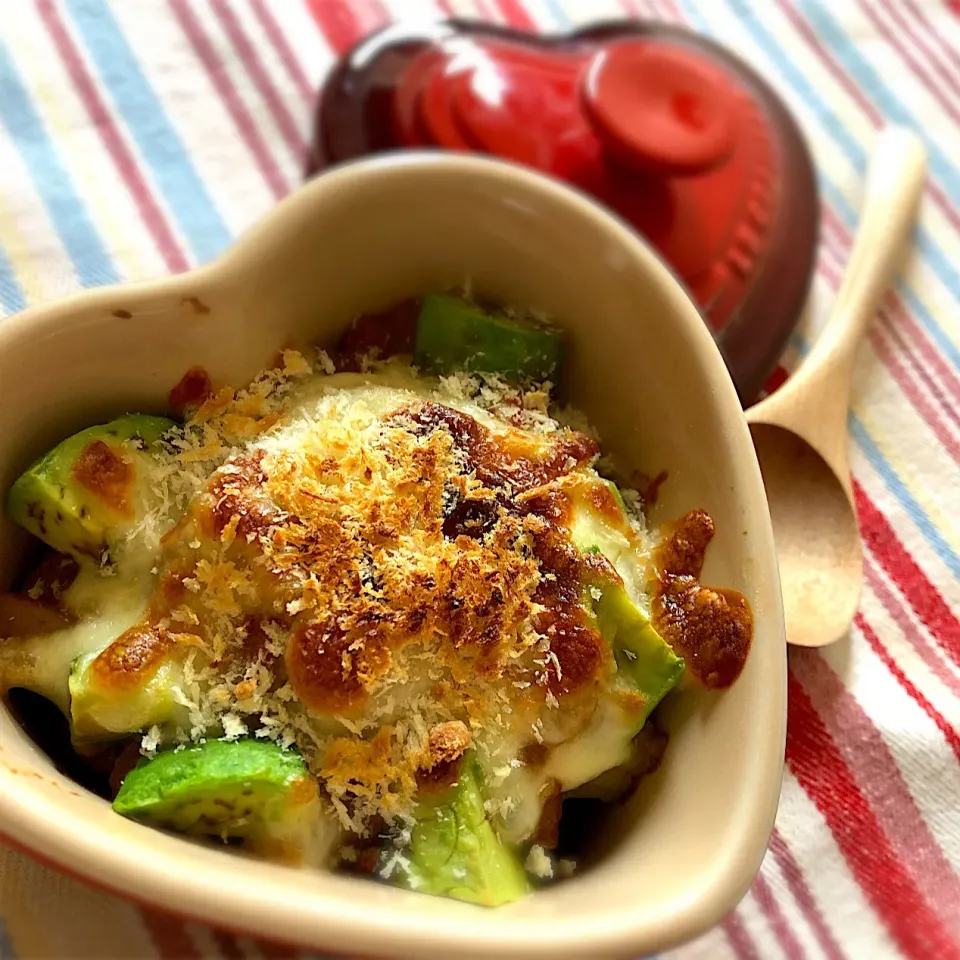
659	107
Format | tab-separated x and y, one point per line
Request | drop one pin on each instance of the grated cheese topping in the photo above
355	564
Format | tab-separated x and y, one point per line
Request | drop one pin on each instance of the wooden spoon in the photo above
800	432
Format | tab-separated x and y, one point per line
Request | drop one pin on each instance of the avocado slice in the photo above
643	657
232	789
88	490
104	705
455	851
453	334
646	663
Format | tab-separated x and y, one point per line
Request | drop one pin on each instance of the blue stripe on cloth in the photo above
897	487
855	153
11	294
150	128
916	306
870	80
890	477
780	60
556	10
64	206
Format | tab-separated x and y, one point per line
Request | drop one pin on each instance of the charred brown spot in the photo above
234	490
255	639
682	550
107	475
440	777
446	742
490	458
580	651
254	516
386	334
194	387
132	658
122	314
711	628
601	498
470	518
324	671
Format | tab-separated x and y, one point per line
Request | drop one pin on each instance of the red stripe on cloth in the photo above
343	24
801	893
891	360
900	318
870	761
515	14
486	11
904	571
634	8
168	934
150	211
776	380
261	79
910	390
877	336
859	97
905	26
740	940
778	924
672	9
949	732
287	57
892	37
898	612
893	323
219	78
338	23
825	57
819	768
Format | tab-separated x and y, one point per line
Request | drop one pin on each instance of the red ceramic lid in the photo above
658	107
669	130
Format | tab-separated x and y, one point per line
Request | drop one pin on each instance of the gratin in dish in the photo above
385	609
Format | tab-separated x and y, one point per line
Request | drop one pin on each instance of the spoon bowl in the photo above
819	551
800	432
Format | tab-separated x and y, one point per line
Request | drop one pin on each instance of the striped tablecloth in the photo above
139	137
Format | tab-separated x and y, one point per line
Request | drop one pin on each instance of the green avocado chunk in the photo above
454	335
645	661
643	657
229	789
455	851
101	710
88	490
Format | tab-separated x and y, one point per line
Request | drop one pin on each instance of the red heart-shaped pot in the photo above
666	128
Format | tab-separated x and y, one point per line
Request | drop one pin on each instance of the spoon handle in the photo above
813	403
895	181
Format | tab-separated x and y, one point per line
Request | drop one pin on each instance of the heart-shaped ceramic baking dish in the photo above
676	857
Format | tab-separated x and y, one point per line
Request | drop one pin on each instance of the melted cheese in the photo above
305	463
105	606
